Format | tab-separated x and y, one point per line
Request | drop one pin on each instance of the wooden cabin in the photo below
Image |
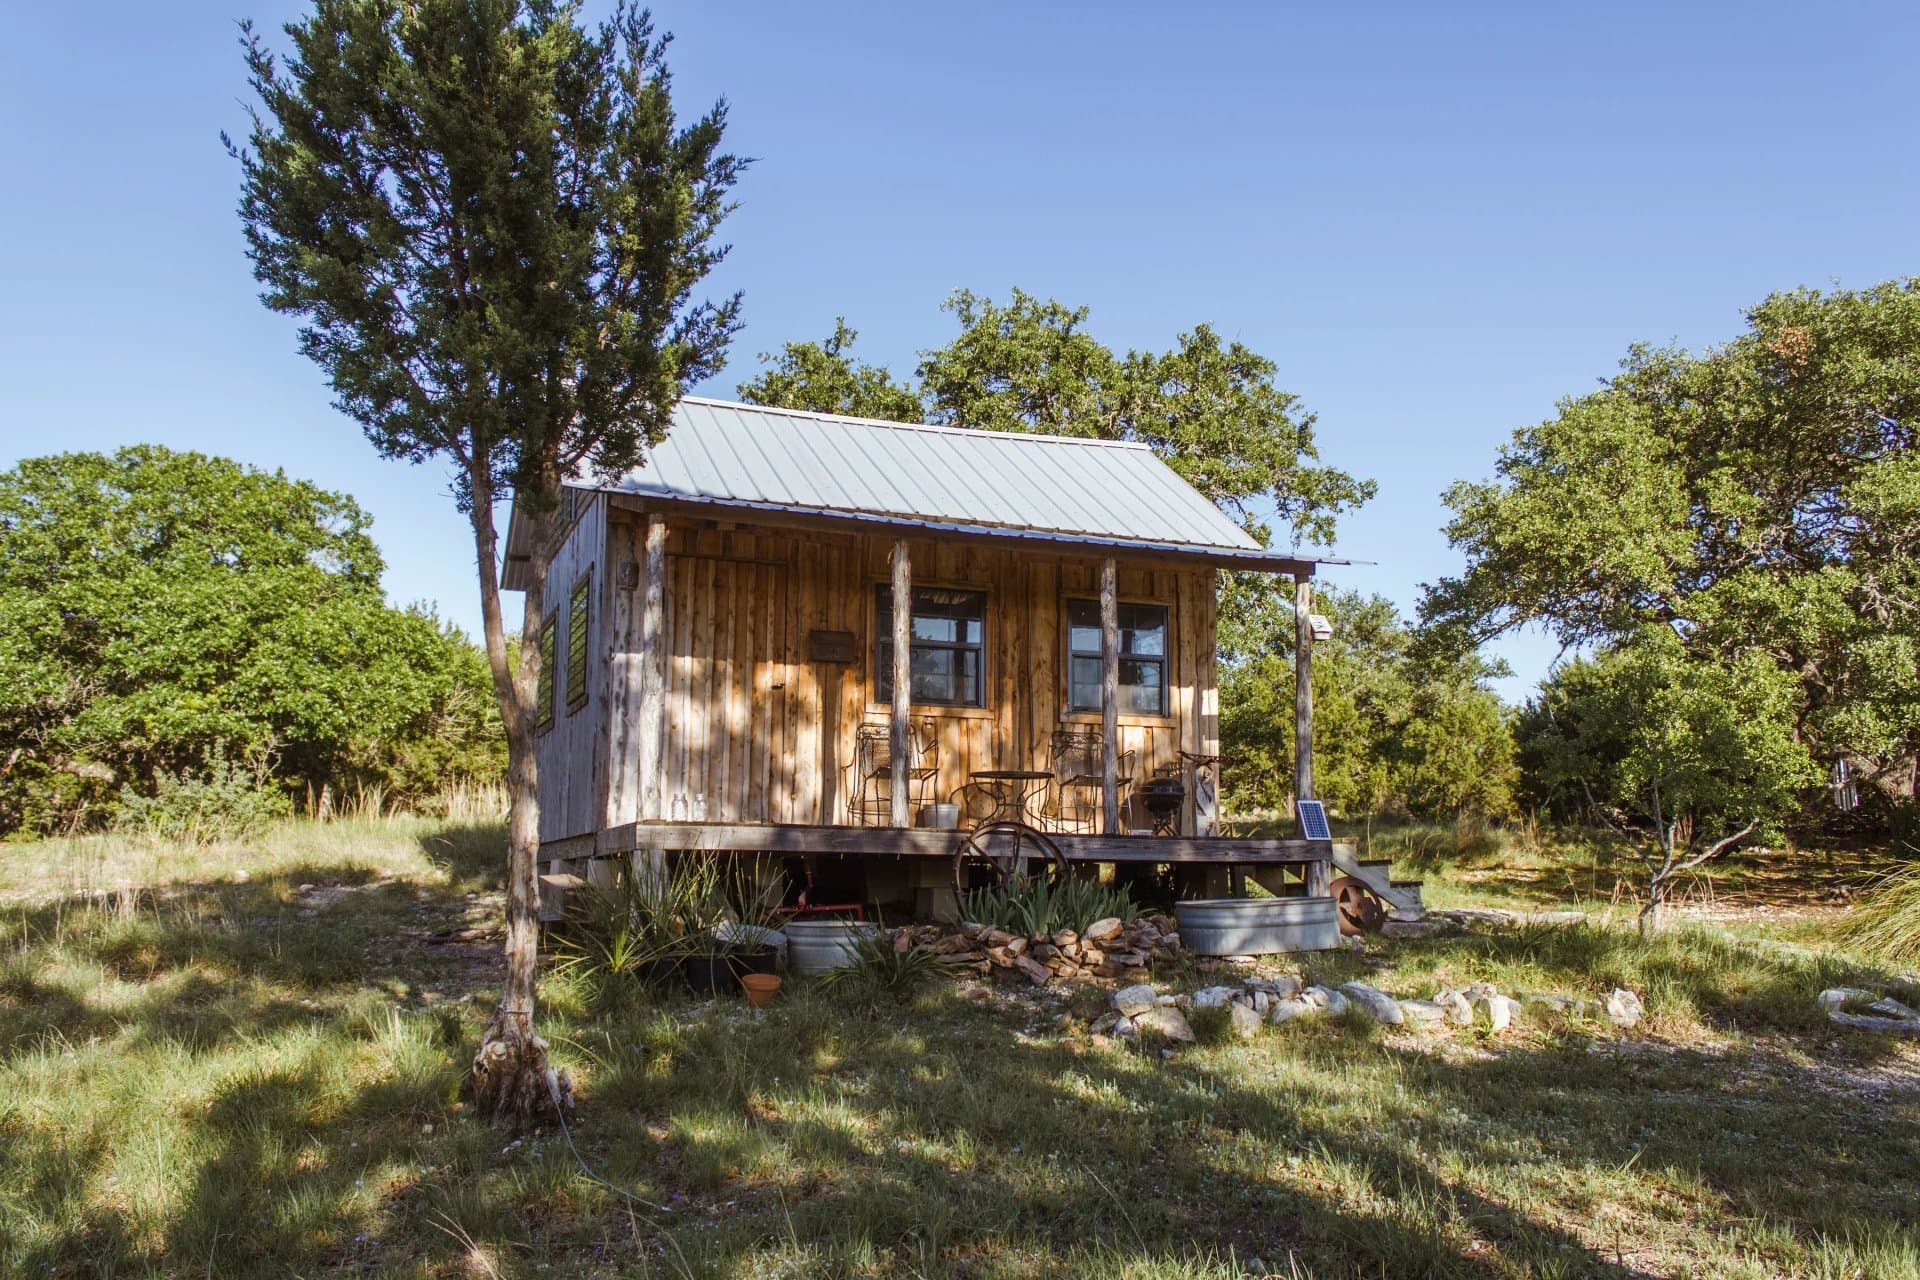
724	658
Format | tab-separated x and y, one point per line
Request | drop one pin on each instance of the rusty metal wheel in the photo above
999	852
1358	906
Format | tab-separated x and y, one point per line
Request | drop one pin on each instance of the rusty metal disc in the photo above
1359	908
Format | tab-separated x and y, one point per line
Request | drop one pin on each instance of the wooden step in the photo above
1376	877
555	891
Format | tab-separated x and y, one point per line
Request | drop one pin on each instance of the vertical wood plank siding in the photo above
571	754
756	730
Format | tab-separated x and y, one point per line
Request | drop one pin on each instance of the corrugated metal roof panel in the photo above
749	455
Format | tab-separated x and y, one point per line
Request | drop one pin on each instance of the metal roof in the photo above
753	458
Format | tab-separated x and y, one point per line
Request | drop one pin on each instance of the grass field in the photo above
247	1061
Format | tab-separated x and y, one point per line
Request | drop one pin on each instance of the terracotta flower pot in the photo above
759	987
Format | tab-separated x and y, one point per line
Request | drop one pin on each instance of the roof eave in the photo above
1251	558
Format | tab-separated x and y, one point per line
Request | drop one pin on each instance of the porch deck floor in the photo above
925	842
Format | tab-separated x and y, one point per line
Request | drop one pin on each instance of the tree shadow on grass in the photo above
1058	1151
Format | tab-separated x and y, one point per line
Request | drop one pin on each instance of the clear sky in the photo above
1437	219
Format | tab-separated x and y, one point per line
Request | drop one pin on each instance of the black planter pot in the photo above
719	972
660	971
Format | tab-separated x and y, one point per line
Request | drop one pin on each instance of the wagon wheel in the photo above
1359	908
1003	850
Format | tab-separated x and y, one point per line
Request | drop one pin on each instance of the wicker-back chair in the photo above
870	795
1075	799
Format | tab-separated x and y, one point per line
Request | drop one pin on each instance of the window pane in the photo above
1143	629
1084	694
1141	686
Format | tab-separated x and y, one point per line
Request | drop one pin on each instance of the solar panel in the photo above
1313	819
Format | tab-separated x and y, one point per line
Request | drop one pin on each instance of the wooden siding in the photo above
570	774
757	731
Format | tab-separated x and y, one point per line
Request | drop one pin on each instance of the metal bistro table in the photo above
1012	790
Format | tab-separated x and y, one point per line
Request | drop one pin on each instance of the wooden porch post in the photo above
1303	684
899	747
1109	696
651	864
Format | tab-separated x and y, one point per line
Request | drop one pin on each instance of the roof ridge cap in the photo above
847	419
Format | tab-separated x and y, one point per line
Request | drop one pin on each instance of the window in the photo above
577	645
544	696
948	653
1143	657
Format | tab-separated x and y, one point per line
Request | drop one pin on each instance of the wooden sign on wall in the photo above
831	646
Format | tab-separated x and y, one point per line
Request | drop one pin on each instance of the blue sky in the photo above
1437	219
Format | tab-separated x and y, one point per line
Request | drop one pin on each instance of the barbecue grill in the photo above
1163	798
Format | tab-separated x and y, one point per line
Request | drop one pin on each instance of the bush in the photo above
230	803
1033	906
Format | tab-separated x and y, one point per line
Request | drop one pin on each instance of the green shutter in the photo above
545	695
577	645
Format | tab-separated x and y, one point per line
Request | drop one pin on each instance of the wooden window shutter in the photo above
577	644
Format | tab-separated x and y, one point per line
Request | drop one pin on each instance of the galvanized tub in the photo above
1257	926
815	946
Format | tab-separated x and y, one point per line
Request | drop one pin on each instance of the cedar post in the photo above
899	748
1109	696
1303	683
651	864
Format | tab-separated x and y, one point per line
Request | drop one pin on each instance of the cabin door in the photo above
729	667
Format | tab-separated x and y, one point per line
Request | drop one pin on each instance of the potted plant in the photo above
734	908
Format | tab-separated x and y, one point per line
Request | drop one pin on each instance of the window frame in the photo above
579	623
545	688
1164	659
883	643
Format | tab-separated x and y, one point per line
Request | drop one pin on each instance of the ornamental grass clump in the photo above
1886	924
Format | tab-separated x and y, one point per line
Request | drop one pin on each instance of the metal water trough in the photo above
815	946
1257	926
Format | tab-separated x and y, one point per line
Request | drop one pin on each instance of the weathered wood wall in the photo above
571	773
757	731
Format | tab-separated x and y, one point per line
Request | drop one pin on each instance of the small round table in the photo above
1012	789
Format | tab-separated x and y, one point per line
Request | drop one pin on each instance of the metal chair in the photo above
870	797
1076	793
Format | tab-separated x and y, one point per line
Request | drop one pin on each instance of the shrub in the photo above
229	803
1034	906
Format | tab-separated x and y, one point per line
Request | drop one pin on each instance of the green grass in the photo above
216	1076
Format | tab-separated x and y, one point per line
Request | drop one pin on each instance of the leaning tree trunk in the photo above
513	1081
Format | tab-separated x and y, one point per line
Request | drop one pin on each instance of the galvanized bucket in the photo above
1257	926
815	946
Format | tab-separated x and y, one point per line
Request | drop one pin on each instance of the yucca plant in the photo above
1032	906
878	972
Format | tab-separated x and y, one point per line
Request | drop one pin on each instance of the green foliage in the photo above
492	226
823	377
165	610
1030	906
1391	731
1682	756
228	803
880	973
1757	499
703	906
1210	408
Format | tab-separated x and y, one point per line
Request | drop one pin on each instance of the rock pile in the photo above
1108	950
